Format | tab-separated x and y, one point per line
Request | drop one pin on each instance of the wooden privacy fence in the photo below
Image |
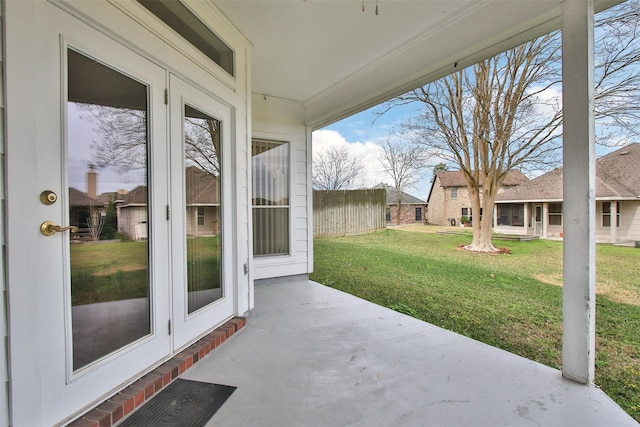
338	213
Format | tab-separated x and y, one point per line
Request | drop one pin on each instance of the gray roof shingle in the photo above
617	177
456	178
406	199
79	199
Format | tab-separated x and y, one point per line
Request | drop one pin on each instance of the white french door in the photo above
85	316
200	193
116	213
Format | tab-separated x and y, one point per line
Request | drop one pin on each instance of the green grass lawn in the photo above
108	272
513	302
119	270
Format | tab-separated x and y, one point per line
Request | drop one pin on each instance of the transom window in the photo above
270	166
177	16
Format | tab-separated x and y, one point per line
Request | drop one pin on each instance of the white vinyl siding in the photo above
277	119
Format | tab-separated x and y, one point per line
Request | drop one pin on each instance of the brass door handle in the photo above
48	228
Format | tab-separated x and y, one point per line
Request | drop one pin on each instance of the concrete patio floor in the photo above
314	356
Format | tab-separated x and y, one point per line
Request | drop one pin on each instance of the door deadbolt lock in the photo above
48	197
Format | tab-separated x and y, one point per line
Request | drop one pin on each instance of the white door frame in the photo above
186	326
538	222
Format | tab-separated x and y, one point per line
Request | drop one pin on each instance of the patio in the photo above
314	356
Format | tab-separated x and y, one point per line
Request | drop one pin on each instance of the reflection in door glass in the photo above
107	142
202	208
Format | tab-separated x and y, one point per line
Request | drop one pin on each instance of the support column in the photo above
578	296
545	220
613	221
495	215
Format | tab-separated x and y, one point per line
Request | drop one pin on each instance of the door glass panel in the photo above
202	208
107	143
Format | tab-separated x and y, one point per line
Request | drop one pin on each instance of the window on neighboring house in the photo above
418	214
511	214
555	213
454	192
388	215
200	215
606	214
465	212
270	166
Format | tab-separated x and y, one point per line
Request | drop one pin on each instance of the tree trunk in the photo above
482	228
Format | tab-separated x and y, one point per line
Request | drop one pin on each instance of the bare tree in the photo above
403	163
96	221
123	138
505	113
335	169
488	120
617	73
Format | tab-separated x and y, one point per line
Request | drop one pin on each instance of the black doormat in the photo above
183	403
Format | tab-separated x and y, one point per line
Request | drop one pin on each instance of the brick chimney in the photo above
92	182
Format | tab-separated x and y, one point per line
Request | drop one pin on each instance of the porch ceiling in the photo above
337	60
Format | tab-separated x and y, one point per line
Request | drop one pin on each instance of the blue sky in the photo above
361	126
362	134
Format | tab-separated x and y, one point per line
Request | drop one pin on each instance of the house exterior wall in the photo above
211	225
442	207
407	214
283	120
630	220
629	229
132	221
437	204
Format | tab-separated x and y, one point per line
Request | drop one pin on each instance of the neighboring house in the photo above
112	197
412	211
132	213
449	201
84	213
202	207
238	71
535	207
203	203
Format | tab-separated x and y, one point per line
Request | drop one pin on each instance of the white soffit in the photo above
337	60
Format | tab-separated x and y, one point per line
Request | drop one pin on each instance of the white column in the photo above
578	296
495	215
545	220
613	222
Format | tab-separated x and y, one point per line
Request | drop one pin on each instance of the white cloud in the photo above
367	154
549	100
